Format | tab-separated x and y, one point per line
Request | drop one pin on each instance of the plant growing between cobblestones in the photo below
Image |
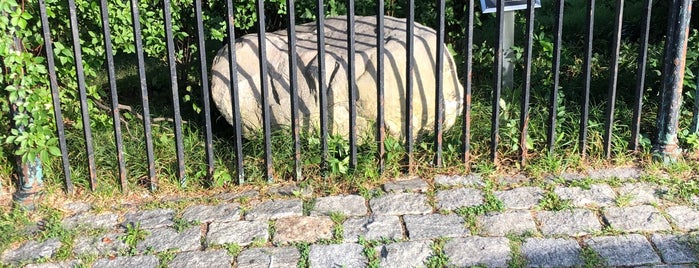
165	257
338	230
552	201
591	258
233	249
304	250
369	252
438	258
133	235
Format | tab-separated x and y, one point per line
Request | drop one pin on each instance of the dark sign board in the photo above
490	6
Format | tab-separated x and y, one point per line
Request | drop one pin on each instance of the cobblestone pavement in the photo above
457	221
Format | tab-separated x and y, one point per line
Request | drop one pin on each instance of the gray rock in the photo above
372	228
640	193
475	250
222	212
32	250
150	219
336	79
434	226
543	252
573	222
458	198
520	198
143	261
598	195
404	254
340	255
636	219
626	250
211	259
502	223
615	172
243	194
275	209
89	220
162	239
269	257
290	190
102	245
303	229
240	232
348	205
459	180
414	184
63	264
77	207
400	204
512	180
676	249
686	218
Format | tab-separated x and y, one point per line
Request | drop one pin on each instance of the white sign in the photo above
490	6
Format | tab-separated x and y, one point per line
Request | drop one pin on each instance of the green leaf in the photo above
54	151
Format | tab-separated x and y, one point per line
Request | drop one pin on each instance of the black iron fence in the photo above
667	124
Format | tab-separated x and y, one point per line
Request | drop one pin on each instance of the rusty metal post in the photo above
667	149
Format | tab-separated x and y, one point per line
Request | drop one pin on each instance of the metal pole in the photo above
667	149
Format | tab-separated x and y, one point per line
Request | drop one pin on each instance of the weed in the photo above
233	249
439	258
308	206
516	257
338	230
180	224
165	257
304	250
591	258
370	252
133	235
551	201
258	242
624	200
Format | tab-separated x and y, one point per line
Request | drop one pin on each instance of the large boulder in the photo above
423	115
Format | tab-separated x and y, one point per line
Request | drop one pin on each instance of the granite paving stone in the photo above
142	261
372	228
400	204
642	218
222	212
476	250
404	254
77	207
548	252
512	179
640	193
676	249
290	190
228	196
459	180
520	198
275	209
63	264
573	222
502	223
150	219
338	255
615	172
686	218
240	232
277	257
101	245
210	259
414	184
32	250
90	220
625	250
434	226
457	198
348	205
162	239
303	229
598	195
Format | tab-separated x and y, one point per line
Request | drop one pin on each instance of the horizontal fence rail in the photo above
409	76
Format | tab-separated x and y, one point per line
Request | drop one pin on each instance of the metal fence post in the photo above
667	149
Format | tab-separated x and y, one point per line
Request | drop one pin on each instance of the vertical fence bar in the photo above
208	146
556	70
641	76
87	130
233	74
613	77
351	85
380	131
495	117
55	97
293	85
439	94
667	149
153	182
694	127
466	131
410	50
262	51
144	94
320	26
587	68
116	117
524	115
175	93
